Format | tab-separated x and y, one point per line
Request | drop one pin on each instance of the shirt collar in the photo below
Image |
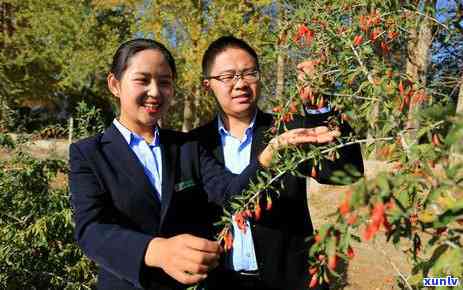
224	132
130	136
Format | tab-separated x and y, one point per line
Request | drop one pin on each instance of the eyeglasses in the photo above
232	78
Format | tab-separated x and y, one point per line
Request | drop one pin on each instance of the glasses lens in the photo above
251	76
231	79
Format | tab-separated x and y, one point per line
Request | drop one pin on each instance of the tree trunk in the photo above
3	20
373	128
197	104
460	97
417	65
456	156
280	69
280	85
189	112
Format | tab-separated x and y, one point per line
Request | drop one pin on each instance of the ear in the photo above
206	85
113	85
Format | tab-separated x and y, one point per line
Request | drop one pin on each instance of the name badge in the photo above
184	184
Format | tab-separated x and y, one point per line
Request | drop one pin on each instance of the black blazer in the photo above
279	235
117	212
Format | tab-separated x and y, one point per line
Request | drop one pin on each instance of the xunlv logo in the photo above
436	282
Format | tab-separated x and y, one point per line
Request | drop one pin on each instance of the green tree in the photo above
188	27
58	51
370	58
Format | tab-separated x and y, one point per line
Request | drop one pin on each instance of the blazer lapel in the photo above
169	160
124	160
217	149
262	123
259	141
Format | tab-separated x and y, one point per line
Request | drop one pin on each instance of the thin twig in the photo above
328	150
451	244
11	217
324	152
362	65
404	144
393	265
429	17
330	71
354	96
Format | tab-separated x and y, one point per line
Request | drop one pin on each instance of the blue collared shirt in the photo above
237	155
149	155
322	110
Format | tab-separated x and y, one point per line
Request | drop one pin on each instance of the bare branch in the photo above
393	266
362	65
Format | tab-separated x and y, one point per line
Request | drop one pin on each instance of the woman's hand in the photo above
317	135
185	258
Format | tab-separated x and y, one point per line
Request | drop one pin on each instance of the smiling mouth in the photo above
152	108
243	96
243	99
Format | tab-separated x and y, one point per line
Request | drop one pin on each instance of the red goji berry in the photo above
313	270
313	172
277	109
257	211
332	261
269	203
401	88
358	39
352	219
313	282
344	207
384	47
350	252
375	34
436	140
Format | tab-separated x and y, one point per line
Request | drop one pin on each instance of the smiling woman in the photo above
140	193
144	89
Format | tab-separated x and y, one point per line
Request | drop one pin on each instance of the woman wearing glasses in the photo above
272	254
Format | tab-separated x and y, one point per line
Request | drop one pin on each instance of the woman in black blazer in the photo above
139	192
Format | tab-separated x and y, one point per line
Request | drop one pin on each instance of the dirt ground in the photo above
376	264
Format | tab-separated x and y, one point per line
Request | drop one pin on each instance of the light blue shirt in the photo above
149	155
237	155
322	110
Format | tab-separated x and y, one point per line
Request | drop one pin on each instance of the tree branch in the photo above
11	217
393	265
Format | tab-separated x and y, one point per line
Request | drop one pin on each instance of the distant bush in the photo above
88	121
38	250
53	131
6	141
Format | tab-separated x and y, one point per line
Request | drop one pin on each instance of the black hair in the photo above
221	44
130	48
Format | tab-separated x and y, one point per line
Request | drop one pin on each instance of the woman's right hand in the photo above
186	258
317	135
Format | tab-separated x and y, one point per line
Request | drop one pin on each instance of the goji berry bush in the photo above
370	60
